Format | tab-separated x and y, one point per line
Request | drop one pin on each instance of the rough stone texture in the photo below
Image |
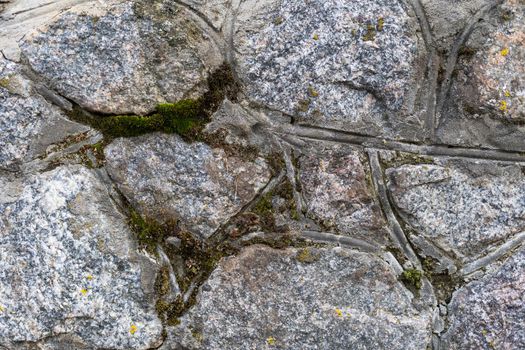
67	265
488	94
386	136
28	123
123	57
267	298
215	11
445	24
22	16
166	178
335	182
488	314
351	65
464	207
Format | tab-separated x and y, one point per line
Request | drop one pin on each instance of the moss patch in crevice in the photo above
404	158
186	117
265	209
412	278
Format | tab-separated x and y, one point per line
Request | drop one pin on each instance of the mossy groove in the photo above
186	117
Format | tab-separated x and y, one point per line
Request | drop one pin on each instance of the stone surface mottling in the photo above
463	207
28	123
123	57
343	64
341	300
361	187
167	178
488	314
487	104
338	193
67	265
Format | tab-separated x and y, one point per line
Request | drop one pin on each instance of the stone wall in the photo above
262	174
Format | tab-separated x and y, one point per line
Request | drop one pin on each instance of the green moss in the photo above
412	277
4	82
380	24
370	34
307	256
197	335
148	232
312	92
186	117
264	209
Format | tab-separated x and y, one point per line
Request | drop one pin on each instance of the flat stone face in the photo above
28	123
341	64
463	207
67	266
446	24
166	178
19	17
489	313
123	57
488	95
340	299
336	184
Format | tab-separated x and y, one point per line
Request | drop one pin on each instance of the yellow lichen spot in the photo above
484	332
313	92
507	93
503	106
504	52
1	308
83	291
133	329
270	341
89	277
316	37
339	312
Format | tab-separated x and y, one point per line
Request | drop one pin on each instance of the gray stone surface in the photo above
335	181
488	314
22	16
123	57
28	123
445	24
352	65
165	178
487	104
463	207
341	299
369	139
68	266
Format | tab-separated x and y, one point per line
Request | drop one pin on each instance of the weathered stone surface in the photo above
488	93
351	65
67	265
22	16
488	314
445	24
217	12
340	299
123	57
464	207
324	88
335	183
28	123
167	178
